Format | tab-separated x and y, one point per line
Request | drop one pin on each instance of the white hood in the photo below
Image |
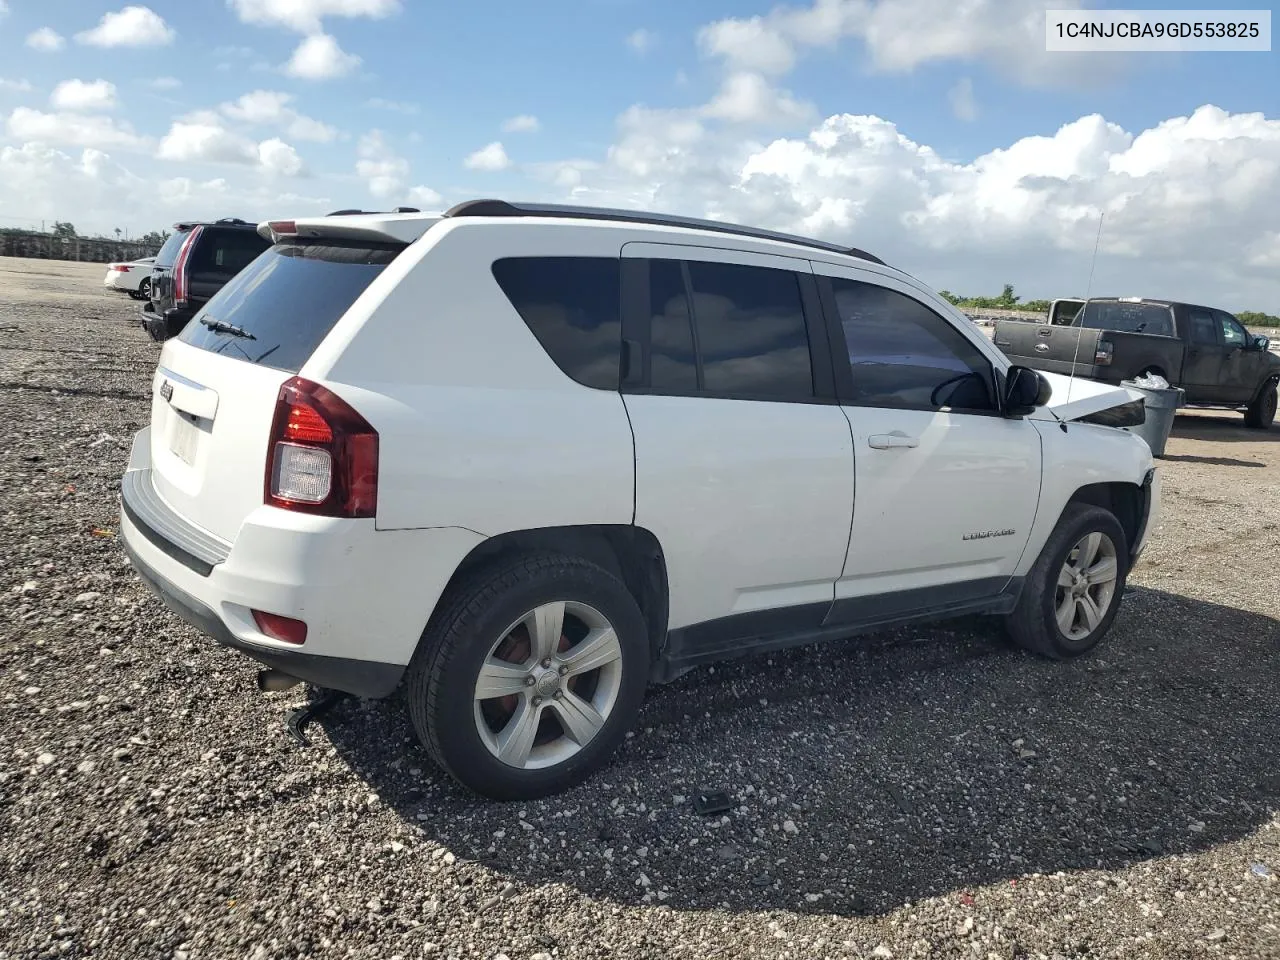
1073	398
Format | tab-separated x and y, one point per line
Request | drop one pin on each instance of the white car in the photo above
524	460
133	278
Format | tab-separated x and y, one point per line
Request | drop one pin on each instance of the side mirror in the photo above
1259	342
1024	390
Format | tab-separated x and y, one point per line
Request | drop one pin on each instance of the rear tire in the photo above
1071	596
144	289
1262	412
522	630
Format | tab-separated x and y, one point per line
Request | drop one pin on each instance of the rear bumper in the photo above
364	678
365	595
162	326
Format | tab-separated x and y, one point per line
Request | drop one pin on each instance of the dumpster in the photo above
1162	405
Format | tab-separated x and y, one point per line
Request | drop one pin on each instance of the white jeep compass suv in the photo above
524	460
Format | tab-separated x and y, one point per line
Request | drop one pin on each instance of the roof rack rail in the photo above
503	208
349	212
232	220
406	210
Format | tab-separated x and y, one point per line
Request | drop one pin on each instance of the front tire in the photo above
1262	412
1072	594
529	676
144	289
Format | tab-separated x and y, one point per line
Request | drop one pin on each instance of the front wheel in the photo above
144	289
1262	412
1072	594
529	676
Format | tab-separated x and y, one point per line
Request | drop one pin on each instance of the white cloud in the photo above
901	35
103	194
424	198
305	16
525	123
489	158
642	41
203	139
395	106
962	101
71	129
79	95
1188	202
319	57
133	26
272	108
748	98
164	83
46	39
380	166
16	86
277	157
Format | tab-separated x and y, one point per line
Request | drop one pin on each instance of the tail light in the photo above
1102	353
180	266
322	456
120	268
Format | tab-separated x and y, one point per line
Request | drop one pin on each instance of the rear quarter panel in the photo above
478	427
1135	352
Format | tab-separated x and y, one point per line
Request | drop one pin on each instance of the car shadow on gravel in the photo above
875	772
1220	428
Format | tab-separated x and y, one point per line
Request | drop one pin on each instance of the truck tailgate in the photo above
1042	346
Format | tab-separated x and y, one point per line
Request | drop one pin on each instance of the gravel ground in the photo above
928	793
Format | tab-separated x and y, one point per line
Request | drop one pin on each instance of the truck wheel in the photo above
529	676
1072	594
1262	411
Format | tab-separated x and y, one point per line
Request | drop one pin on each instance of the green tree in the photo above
155	238
1255	318
61	228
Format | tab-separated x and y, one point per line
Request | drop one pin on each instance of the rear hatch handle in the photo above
185	395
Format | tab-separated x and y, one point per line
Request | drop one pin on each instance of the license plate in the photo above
184	439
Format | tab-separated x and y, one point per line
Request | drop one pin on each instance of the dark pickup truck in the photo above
1206	352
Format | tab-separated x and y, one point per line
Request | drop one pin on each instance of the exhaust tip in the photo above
273	681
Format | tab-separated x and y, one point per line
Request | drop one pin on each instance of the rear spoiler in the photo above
373	227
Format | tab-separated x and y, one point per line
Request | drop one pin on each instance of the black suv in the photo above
194	264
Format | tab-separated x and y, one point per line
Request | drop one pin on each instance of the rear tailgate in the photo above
1043	346
214	393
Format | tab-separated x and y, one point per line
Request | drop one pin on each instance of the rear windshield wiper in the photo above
221	326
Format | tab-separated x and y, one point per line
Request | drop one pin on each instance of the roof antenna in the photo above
1087	292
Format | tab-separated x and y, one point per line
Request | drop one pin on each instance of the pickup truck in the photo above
1205	351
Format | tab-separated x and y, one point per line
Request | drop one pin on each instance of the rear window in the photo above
219	250
1149	318
276	311
169	252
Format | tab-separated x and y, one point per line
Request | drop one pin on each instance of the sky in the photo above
938	134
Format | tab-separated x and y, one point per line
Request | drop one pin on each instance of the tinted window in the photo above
1233	334
284	303
571	305
750	328
905	355
673	364
1149	318
225	251
169	252
1204	330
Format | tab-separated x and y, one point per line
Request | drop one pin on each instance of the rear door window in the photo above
219	250
570	304
1203	328
169	251
751	336
276	311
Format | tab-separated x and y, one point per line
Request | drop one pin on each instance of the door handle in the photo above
889	441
